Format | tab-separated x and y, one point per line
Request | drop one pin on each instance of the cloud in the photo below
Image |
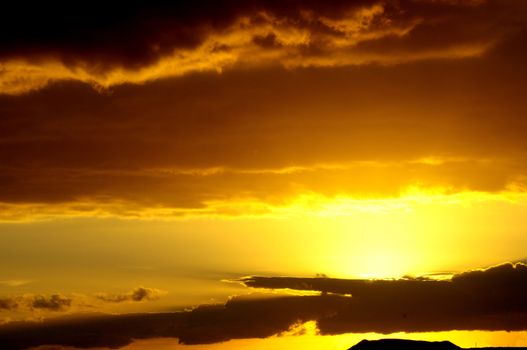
37	303
8	304
117	154
138	43
484	299
507	281
55	302
243	141
408	305
15	282
137	294
238	318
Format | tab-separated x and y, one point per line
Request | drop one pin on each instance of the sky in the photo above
262	174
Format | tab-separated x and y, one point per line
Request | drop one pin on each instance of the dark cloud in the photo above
463	303
8	304
126	32
55	42
267	41
54	302
444	25
140	32
505	281
137	294
485	299
238	318
61	303
102	39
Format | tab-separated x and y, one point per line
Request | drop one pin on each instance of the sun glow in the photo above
310	339
389	238
340	236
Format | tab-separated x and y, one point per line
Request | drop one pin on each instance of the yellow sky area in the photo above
305	337
417	233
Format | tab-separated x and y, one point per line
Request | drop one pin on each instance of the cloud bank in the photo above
466	302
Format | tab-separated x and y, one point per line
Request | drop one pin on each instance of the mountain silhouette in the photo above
402	344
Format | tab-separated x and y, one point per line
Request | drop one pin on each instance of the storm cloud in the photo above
108	44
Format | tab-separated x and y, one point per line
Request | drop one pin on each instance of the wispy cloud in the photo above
15	282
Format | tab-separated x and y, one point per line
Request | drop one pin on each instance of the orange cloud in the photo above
258	138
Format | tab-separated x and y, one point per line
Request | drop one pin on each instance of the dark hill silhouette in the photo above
402	344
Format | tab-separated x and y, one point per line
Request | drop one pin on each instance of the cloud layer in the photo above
429	92
160	146
490	299
134	43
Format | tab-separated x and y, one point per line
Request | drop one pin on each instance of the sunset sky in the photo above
262	174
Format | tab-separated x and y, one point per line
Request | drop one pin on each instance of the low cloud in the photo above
60	303
136	295
8	304
488	299
55	302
